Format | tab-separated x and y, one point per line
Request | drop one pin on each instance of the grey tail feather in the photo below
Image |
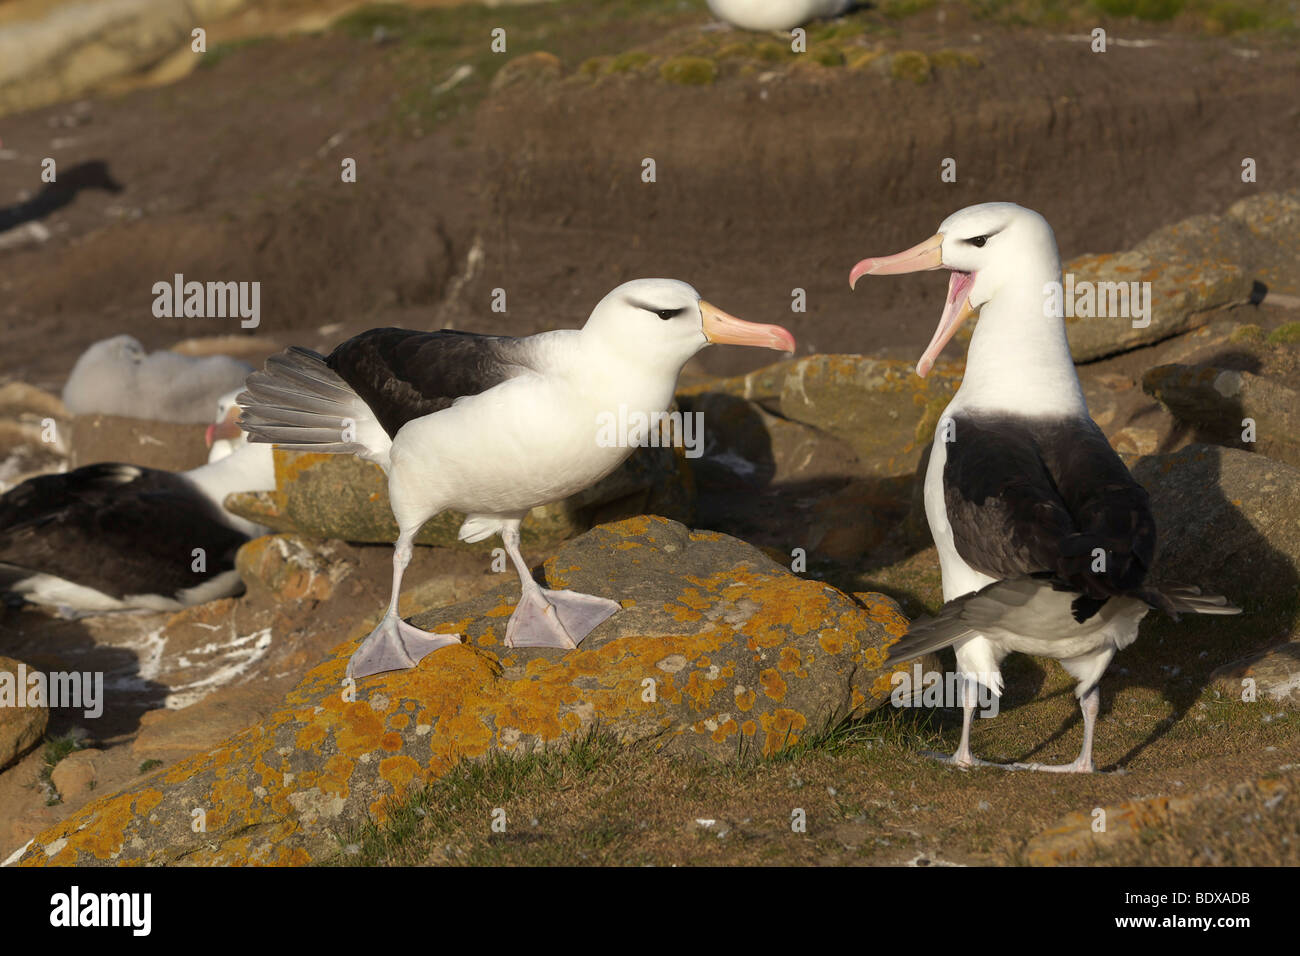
1187	600
298	401
964	615
929	634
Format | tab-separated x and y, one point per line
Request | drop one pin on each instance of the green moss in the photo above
898	9
910	65
950	59
631	60
1288	334
863	60
596	66
1247	335
689	71
149	764
828	56
1141	9
1231	17
772	52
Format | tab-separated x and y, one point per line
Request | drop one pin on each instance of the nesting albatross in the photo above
490	426
114	537
1044	538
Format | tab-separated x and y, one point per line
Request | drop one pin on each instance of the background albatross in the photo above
492	426
1044	538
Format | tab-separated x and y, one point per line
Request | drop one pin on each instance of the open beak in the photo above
227	429
923	258
723	329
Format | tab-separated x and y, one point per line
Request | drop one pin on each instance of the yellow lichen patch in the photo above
749	728
832	642
790	659
726	729
391	742
745	699
780	729
773	684
399	721
399	771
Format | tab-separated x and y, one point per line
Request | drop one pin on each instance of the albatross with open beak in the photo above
491	426
1044	538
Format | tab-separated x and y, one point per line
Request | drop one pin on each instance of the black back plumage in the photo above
402	374
119	529
1027	496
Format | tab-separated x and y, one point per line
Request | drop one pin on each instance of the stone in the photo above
1274	673
1194	266
879	407
341	496
718	651
1218	401
75	775
1074	840
21	727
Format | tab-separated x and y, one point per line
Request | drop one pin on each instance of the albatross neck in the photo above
1019	360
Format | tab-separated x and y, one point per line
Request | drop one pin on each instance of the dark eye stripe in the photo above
667	314
978	241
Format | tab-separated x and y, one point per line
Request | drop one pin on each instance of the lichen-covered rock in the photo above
1193	267
717	651
880	407
1076	839
341	496
1229	521
1274	220
21	727
1225	405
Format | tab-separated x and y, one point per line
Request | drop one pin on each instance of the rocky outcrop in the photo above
1271	675
717	651
78	46
1192	267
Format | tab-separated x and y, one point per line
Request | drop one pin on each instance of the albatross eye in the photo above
978	241
667	314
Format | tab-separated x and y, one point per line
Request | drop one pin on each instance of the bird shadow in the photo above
59	194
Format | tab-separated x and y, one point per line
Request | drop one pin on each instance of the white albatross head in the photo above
661	323
225	436
987	247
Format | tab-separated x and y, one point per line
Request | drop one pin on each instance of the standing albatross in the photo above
491	426
1044	538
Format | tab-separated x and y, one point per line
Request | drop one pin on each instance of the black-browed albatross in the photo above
491	426
1044	538
114	537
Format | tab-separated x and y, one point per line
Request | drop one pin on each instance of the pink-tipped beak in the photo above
225	430
920	258
956	310
724	329
923	258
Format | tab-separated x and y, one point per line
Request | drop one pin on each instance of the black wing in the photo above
116	528
1031	497
401	374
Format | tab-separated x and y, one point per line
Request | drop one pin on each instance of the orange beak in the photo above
724	329
923	258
